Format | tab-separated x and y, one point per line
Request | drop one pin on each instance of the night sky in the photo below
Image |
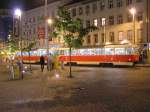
23	4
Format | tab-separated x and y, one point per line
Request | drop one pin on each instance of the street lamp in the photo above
133	12
49	21
46	29
17	14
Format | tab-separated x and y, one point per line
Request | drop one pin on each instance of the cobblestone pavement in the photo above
92	89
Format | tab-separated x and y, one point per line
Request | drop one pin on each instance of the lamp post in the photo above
46	30
133	12
17	14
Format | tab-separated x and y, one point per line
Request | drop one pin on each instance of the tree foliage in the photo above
71	30
12	46
29	47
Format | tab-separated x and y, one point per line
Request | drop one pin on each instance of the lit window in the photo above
121	35
95	22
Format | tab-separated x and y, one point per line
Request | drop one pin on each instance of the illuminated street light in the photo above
133	12
18	12
49	21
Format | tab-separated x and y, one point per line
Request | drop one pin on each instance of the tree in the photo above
28	49
11	46
71	30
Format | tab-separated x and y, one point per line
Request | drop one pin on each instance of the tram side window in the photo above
73	52
120	51
98	51
109	51
61	52
129	51
84	52
66	52
103	51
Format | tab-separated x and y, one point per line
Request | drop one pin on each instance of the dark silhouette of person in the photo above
42	62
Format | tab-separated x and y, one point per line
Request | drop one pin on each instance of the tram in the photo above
115	55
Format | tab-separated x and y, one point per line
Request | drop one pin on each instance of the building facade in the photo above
115	21
33	24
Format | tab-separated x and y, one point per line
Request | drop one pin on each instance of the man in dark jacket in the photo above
42	62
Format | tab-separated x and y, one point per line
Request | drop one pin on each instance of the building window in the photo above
119	19
121	35
128	2
87	10
88	39
119	3
96	38
103	22
95	22
73	12
110	4
129	18
139	35
94	7
138	0
103	37
102	5
111	37
88	23
80	10
139	16
129	34
111	20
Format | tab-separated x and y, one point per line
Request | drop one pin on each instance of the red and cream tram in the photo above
124	55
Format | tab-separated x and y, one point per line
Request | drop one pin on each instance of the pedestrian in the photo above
20	65
62	65
11	70
42	62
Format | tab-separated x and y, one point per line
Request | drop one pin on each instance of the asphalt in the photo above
92	89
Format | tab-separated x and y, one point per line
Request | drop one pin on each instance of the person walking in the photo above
42	62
